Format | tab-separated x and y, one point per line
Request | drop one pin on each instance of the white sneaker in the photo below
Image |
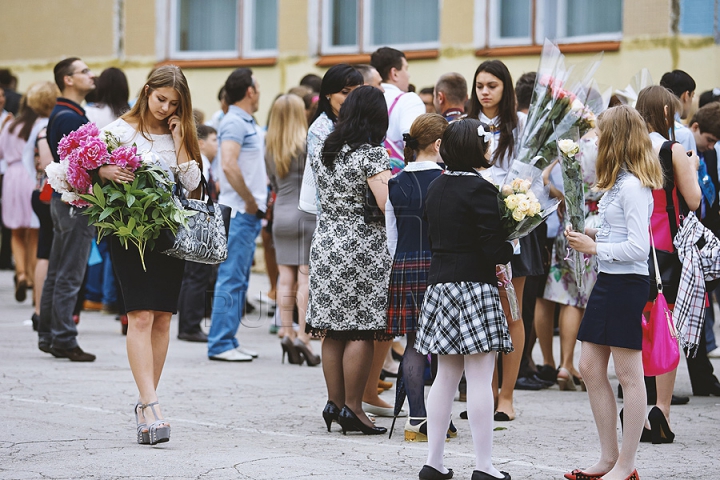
232	355
714	353
245	351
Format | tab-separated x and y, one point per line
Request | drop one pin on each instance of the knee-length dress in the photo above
158	287
292	229
17	183
349	261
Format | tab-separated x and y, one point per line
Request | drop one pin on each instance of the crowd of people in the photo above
378	212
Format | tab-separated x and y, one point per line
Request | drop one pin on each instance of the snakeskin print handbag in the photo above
204	240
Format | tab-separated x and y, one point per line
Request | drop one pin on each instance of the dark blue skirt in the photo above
613	315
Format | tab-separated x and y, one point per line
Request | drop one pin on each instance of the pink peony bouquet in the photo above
134	212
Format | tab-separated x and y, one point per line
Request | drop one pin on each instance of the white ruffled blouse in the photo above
163	147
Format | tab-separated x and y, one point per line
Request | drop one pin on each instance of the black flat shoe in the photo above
330	413
35	322
679	400
713	388
478	475
660	429
429	473
351	423
502	417
547	373
646	436
198	337
527	383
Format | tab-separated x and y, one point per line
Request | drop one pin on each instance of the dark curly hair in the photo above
363	120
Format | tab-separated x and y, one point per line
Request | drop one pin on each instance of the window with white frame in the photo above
222	28
527	22
354	26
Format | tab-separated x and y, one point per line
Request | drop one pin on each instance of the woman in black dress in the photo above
161	125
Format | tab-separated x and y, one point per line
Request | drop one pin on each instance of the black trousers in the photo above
195	295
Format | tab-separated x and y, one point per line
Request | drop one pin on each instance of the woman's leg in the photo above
140	353
31	242
511	361
302	302
479	371
285	299
332	365
371	386
544	323
17	244
357	357
439	406
665	385
570	318
413	369
593	367
629	370
41	268
160	342
271	265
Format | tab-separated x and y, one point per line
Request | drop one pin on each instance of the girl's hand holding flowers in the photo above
580	242
115	173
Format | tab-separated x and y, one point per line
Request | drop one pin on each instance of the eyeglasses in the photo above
85	71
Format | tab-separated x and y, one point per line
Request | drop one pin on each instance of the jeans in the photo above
232	284
100	282
66	271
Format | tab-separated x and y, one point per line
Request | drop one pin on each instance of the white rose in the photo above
524	205
69	197
507	190
568	147
518	215
511	202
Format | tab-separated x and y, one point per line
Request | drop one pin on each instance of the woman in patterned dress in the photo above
349	261
462	320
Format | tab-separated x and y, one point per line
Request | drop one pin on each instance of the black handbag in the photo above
372	213
204	239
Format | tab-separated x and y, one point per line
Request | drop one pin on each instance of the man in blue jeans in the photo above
242	187
73	236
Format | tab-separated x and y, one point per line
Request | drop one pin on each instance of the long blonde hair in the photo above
625	144
169	76
287	131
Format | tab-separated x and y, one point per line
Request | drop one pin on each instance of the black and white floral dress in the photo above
349	261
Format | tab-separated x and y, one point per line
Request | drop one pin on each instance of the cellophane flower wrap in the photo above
134	212
572	176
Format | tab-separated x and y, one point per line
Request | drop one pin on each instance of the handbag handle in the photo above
180	194
658	280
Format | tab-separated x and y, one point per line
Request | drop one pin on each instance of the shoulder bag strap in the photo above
658	281
675	203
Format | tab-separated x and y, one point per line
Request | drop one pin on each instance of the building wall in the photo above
89	29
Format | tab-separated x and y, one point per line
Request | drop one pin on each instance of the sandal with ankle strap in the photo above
143	435
159	430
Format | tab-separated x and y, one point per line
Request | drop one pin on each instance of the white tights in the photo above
478	372
619	463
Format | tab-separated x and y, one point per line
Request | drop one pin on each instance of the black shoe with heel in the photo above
330	413
351	423
288	348
660	429
429	473
646	436
303	350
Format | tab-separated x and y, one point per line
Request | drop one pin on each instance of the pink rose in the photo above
126	157
92	153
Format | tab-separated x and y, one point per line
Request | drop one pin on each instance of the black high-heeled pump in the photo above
330	413
288	348
646	436
303	350
351	423
660	429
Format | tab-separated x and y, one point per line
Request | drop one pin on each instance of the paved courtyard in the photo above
64	420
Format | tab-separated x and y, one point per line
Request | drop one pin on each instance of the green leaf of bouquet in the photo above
106	213
130	199
97	191
131	223
114	196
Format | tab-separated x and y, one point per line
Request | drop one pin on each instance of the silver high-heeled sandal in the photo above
159	430
143	435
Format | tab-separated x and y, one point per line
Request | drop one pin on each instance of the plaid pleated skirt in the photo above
408	282
461	319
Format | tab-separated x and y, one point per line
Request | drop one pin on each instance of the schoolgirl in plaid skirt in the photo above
462	320
409	244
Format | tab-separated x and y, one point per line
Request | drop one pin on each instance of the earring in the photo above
327	97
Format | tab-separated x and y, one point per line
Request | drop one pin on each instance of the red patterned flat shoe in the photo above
578	474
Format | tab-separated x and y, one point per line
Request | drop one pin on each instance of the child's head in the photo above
462	147
624	143
705	125
657	105
207	138
425	134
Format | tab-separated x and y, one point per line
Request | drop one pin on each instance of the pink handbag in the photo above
660	351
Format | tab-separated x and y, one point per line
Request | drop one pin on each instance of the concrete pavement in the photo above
262	420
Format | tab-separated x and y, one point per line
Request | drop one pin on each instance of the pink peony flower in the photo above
67	145
126	157
92	153
87	130
78	178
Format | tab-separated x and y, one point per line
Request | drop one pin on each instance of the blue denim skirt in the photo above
613	315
